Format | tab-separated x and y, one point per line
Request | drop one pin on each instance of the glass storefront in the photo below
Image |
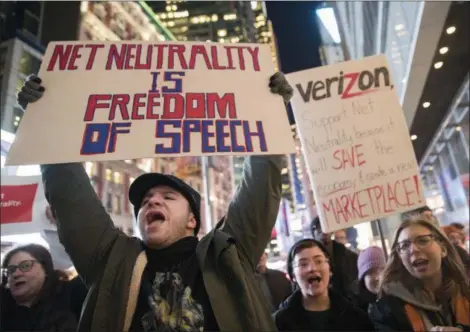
447	161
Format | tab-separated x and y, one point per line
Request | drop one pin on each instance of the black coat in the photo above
344	268
58	311
279	286
343	315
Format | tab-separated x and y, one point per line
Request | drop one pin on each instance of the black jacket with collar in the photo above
344	316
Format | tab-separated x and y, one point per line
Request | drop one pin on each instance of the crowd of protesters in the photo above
169	280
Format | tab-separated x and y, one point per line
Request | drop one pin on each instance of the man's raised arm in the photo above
85	229
253	211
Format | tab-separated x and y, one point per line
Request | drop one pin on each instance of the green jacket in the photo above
111	263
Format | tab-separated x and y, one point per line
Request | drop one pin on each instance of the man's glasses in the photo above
23	266
421	242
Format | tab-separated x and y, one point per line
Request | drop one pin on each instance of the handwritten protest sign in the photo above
357	146
23	205
127	100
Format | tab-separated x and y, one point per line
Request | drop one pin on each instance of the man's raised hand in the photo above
31	91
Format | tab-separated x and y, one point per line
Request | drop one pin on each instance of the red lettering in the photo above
175	112
117	56
160	57
91	58
153	101
254	55
75	55
199	50
378	199
93	104
136	105
351	157
346	93
179	50
227	101
148	59
215	58
241	59
61	55
130	56
195	106
121	100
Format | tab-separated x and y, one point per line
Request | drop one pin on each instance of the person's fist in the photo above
31	91
279	85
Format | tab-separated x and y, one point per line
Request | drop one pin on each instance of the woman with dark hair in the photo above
314	306
34	296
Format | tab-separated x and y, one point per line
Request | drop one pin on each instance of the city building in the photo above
31	25
426	44
217	21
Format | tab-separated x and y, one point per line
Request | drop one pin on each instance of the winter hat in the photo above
372	257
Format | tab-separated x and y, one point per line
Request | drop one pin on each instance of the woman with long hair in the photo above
424	286
34	296
314	306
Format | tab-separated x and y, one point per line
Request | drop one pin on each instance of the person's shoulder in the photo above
283	317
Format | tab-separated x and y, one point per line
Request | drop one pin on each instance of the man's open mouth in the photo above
155	216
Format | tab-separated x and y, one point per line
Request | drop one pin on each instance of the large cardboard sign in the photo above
128	100
23	205
357	146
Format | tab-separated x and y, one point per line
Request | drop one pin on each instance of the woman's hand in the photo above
31	91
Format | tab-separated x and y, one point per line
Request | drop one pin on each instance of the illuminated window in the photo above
117	204
230	17
171	24
108	174
215	18
222	33
194	20
168	8
117	178
89	168
221	40
174	7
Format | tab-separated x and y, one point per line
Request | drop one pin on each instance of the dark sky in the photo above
297	35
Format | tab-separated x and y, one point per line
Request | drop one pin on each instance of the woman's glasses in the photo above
318	263
421	242
23	266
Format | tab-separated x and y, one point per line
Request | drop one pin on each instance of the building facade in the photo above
29	29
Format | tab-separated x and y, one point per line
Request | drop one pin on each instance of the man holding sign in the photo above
170	281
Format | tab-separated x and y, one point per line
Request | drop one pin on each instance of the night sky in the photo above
297	35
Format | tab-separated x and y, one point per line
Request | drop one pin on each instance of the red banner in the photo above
17	203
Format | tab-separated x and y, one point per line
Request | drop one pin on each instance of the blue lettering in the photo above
168	77
175	146
95	138
221	135
249	134
206	148
233	131
190	126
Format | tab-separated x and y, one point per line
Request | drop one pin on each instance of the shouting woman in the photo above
424	286
314	306
34	296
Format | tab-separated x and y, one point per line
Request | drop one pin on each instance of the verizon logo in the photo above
346	86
